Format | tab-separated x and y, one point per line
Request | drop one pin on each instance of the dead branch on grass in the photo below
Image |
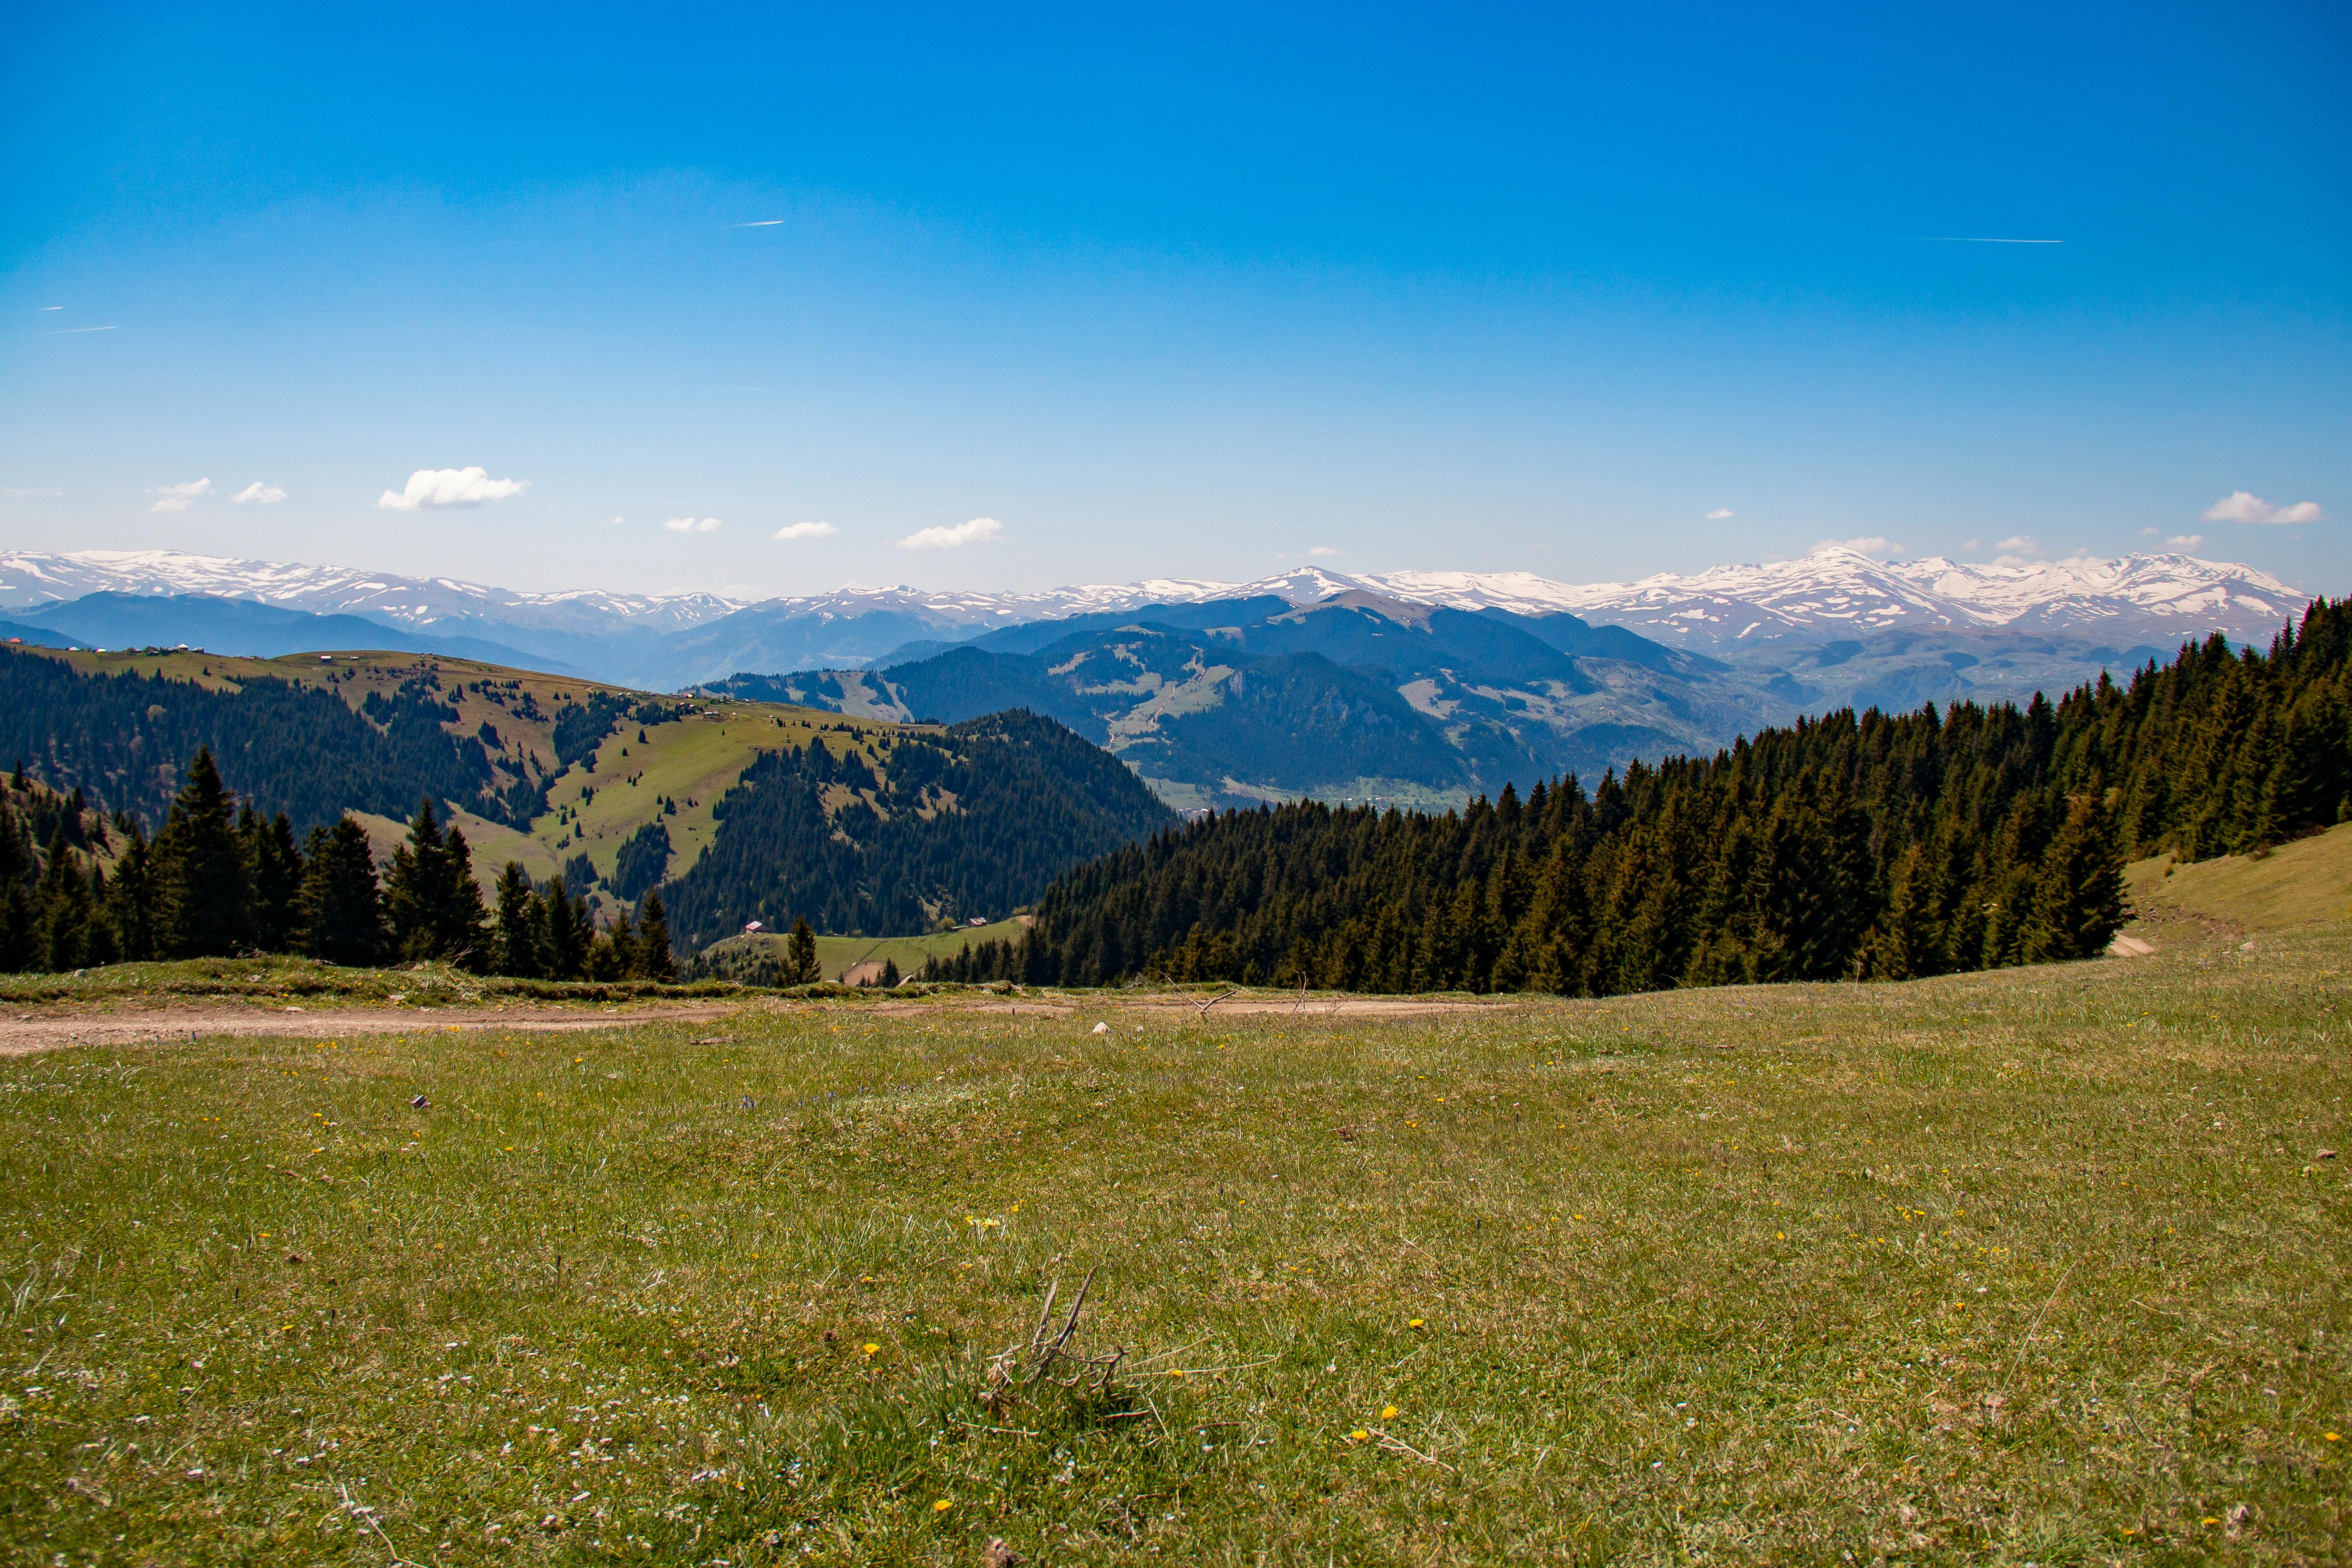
1047	1357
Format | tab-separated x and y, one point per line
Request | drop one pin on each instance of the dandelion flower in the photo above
941	1505
1360	1435
2333	1437
871	1348
1413	1322
1389	1414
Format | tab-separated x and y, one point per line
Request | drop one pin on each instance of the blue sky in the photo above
1193	293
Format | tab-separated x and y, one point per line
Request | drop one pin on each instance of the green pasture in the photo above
2039	1265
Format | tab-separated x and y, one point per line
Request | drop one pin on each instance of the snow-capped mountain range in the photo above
667	639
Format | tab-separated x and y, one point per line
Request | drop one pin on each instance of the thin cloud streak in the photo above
759	224
1986	239
70	331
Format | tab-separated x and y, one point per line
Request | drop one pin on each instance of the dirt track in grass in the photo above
29	1029
26	1031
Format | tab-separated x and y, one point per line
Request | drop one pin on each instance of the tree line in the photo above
220	879
124	739
1852	845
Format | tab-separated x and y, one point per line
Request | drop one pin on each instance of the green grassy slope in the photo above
838	955
2298	884
2033	1265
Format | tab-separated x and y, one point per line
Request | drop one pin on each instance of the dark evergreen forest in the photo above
974	821
1870	845
123	740
220	880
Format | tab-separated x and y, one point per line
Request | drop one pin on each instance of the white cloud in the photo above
2186	541
691	524
177	498
1876	545
1323	550
2243	507
2018	544
433	489
267	495
805	531
1718	514
978	531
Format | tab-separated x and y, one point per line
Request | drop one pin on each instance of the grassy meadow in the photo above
2034	1266
837	956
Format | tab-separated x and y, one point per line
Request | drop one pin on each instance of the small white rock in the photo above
1102	1029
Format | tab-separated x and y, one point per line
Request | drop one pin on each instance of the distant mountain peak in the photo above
1833	591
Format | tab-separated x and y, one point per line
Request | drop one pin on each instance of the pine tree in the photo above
100	947
430	895
889	977
570	932
519	937
17	868
613	954
61	939
339	911
801	965
2078	899
655	959
199	870
273	868
1904	943
131	899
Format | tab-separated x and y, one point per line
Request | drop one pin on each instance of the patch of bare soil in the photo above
1257	1004
25	1031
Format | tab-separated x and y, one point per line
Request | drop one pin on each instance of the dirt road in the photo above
24	1032
26	1029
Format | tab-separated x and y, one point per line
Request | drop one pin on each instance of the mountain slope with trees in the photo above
1243	700
972	822
1885	845
179	804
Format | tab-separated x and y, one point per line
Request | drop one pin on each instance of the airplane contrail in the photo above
1983	239
70	331
762	224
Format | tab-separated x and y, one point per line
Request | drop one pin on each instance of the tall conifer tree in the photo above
200	868
339	910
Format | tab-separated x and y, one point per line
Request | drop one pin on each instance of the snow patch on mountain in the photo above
1832	592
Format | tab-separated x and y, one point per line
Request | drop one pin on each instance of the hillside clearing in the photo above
2304	882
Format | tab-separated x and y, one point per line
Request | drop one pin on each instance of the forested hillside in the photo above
1872	844
599	800
973	821
122	740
